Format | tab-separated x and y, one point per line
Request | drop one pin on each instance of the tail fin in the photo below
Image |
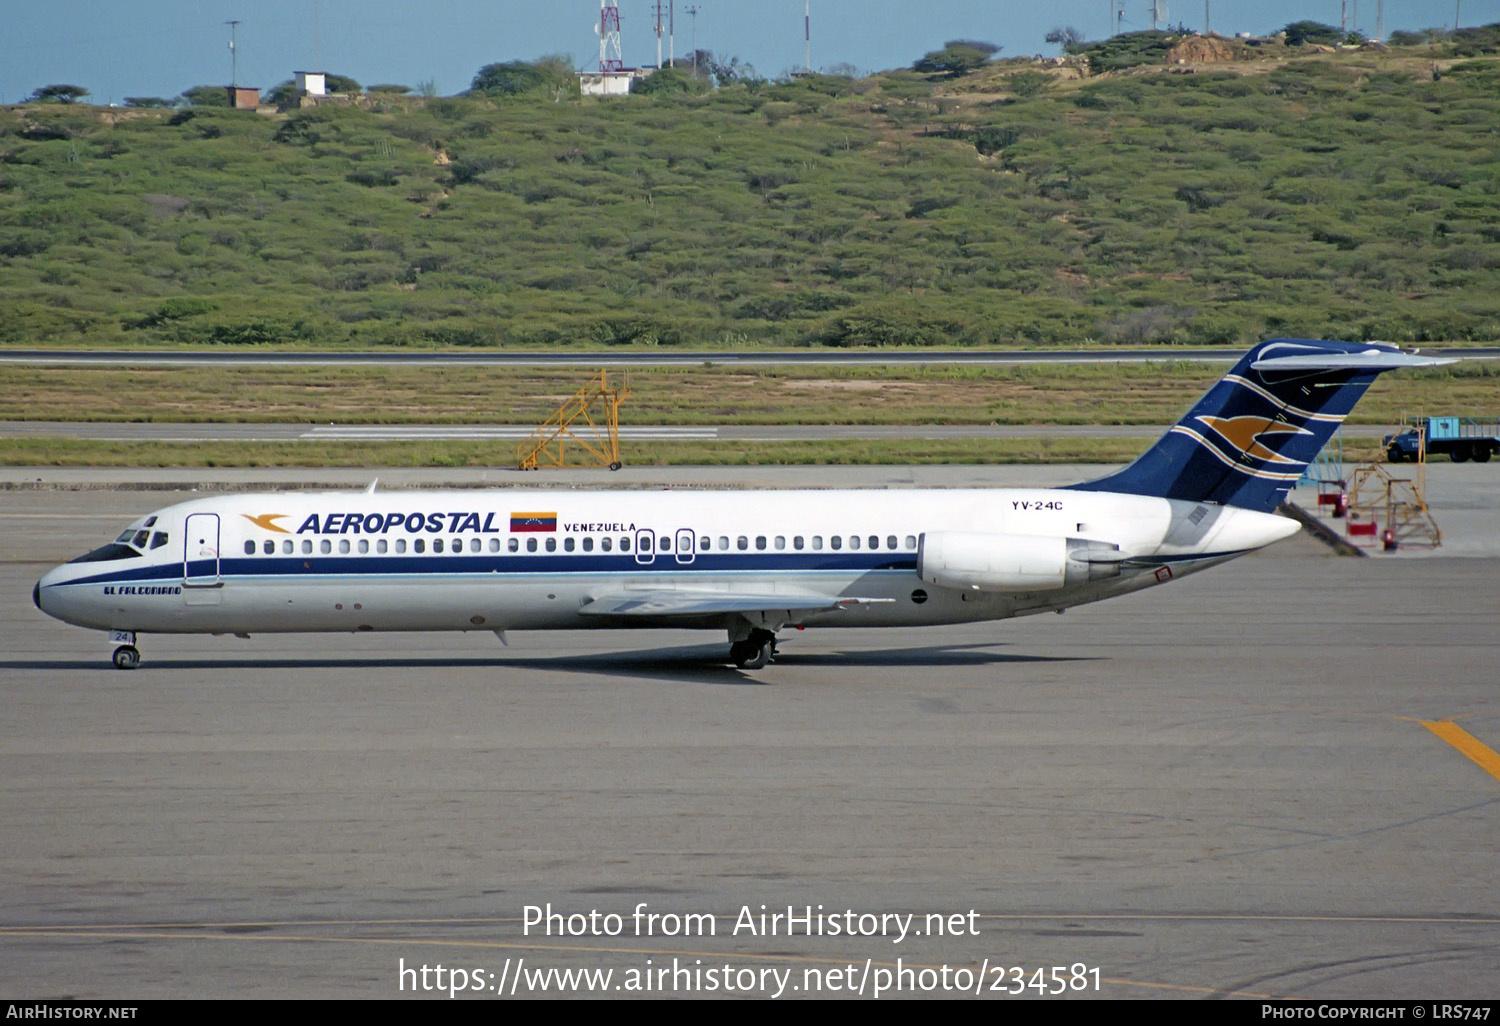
1248	440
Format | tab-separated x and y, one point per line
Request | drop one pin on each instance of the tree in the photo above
957	57
517	78
281	92
1067	37
149	102
667	80
341	84
1299	33
58	94
389	88
206	96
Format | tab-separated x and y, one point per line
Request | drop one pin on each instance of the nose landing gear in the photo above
127	656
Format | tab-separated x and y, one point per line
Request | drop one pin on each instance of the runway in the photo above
1252	782
617	358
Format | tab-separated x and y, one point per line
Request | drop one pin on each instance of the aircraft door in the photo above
645	546
685	546
200	556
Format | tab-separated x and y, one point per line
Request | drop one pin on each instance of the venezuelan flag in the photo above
520	522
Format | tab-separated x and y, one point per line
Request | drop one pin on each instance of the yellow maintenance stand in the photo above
597	441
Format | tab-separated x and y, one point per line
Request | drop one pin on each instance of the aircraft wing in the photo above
667	602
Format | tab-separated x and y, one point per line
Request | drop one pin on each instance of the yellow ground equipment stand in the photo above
575	422
1390	511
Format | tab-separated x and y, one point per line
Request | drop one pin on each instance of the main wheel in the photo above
127	657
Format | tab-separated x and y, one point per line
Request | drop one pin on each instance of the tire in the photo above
1395	455
1482	453
616	465
127	657
1459	455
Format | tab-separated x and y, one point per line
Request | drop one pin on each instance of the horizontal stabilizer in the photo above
1369	360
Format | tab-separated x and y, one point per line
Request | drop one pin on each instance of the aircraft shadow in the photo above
700	663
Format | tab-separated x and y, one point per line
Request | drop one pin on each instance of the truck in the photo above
1462	438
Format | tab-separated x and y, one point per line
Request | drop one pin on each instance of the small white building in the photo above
610	83
312	83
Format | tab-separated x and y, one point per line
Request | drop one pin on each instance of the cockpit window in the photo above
158	539
125	535
114	550
139	541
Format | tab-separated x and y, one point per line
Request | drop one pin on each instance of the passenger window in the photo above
890	543
344	546
606	543
723	543
307	546
797	543
854	541
760	543
704	541
268	547
625	544
551	544
835	542
567	544
780	542
530	544
364	546
286	547
474	545
742	543
249	548
514	545
400	545
817	542
588	545
874	541
437	545
419	545
664	543
911	541
380	546
158	539
325	546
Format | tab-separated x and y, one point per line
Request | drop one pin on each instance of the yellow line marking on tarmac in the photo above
1467	744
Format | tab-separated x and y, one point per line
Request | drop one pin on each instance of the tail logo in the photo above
1244	433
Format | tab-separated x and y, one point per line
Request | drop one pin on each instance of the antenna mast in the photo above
234	56
658	35
807	36
609	37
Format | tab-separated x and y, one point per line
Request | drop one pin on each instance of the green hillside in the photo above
1350	195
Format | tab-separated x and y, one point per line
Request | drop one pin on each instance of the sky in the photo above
126	48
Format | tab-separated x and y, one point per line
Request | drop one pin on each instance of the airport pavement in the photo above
1251	782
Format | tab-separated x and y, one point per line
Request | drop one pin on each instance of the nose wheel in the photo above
755	651
127	657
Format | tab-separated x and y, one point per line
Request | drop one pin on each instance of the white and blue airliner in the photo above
747	563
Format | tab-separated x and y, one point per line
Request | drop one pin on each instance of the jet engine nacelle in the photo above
1013	562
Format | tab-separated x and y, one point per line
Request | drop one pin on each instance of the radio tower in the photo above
658	34
609	37
807	36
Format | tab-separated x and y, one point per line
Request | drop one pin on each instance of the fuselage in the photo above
517	560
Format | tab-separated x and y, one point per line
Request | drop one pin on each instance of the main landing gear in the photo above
755	651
